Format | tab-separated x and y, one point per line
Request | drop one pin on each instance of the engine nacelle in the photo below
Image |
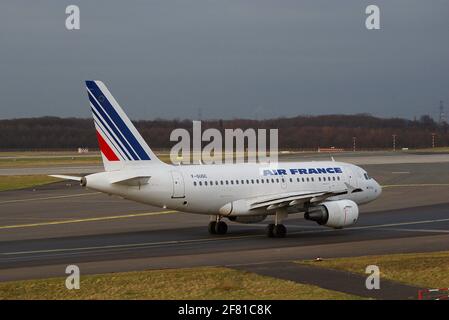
248	219
334	214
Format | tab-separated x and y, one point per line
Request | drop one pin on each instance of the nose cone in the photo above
377	189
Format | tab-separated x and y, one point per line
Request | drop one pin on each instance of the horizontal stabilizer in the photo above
66	177
131	180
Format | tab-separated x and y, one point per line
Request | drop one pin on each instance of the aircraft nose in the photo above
377	188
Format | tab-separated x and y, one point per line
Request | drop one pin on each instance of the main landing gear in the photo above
277	229
274	230
216	226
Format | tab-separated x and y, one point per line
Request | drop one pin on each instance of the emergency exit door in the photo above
178	185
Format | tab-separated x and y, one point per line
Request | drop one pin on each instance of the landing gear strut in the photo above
277	229
217	226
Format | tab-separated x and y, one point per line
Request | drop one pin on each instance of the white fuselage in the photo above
205	189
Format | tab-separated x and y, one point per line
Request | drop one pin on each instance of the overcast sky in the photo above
234	58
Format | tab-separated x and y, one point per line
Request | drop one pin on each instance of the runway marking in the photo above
152	244
51	198
420	230
401	172
133	215
173	242
416	185
399	224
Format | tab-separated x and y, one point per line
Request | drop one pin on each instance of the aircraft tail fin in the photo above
119	141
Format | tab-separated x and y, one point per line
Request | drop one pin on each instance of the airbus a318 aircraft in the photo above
327	192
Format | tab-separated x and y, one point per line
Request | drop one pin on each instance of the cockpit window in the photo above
366	176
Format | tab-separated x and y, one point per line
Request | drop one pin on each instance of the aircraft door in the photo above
352	177
178	185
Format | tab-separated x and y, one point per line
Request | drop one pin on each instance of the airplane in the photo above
326	192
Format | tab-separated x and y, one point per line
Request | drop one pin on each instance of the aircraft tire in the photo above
279	231
221	227
270	229
212	227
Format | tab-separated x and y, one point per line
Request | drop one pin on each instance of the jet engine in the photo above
248	219
334	214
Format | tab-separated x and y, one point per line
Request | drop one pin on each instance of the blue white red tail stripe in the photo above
106	149
120	143
109	134
113	145
107	122
127	137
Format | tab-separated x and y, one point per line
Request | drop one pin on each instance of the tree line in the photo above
301	132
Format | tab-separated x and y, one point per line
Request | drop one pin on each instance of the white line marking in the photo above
420	230
49	223
163	243
416	185
131	245
51	198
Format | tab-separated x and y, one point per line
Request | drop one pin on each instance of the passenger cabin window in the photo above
194	183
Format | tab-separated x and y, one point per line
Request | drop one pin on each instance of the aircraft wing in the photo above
290	199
